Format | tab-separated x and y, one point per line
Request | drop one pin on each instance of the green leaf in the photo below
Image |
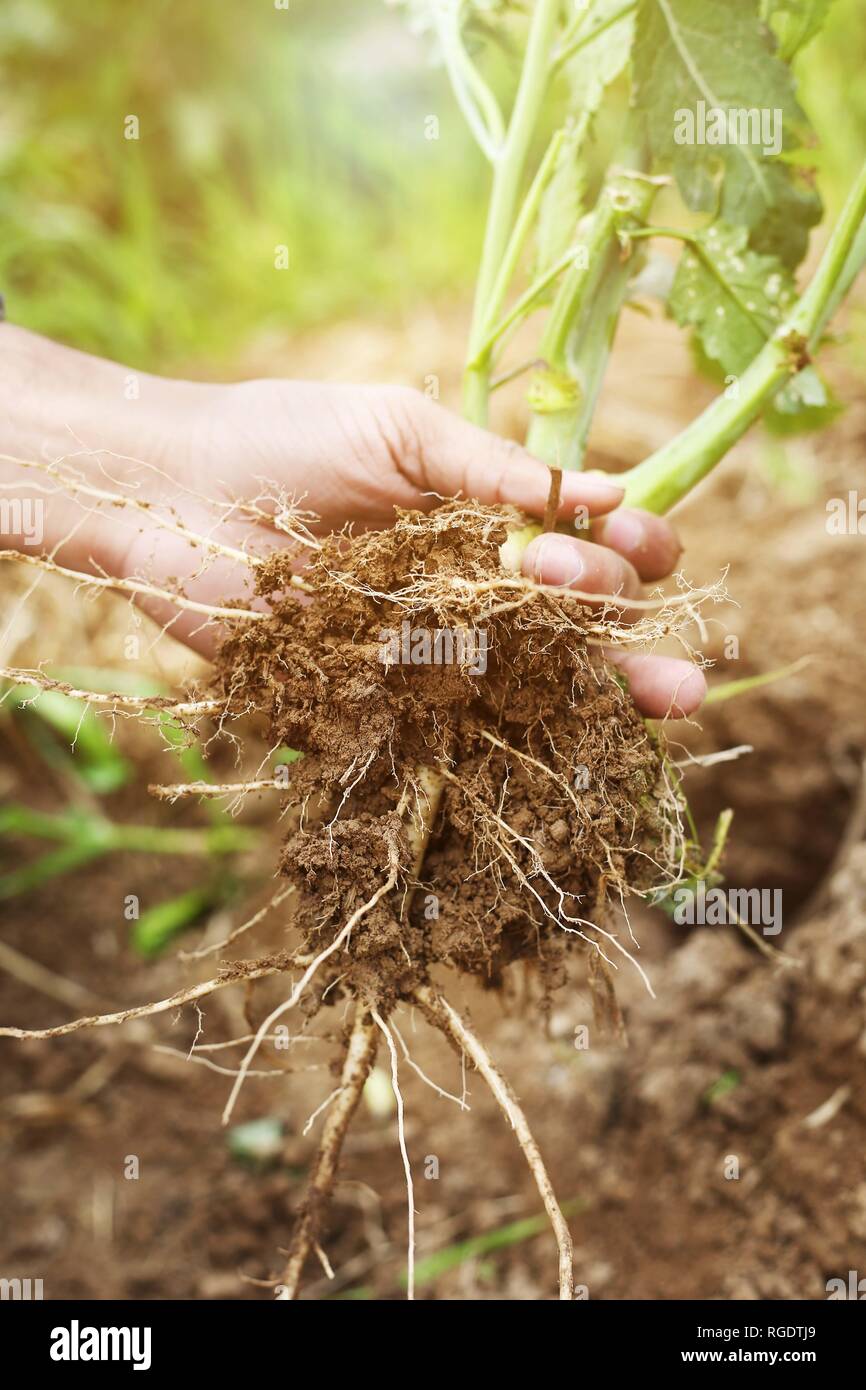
666	899
709	88
88	751
421	14
441	1261
731	689
805	391
55	862
805	405
733	297
780	228
795	22
160	924
286	756
72	824
605	42
561	202
788	471
728	1081
258	1142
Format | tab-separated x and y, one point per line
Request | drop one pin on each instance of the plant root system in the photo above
475	777
475	789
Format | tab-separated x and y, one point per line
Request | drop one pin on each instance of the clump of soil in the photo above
476	789
458	724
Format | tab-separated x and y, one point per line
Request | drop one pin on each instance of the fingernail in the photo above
555	559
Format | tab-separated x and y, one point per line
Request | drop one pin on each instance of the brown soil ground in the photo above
735	1065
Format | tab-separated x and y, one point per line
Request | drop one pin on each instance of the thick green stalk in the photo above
508	174
852	268
581	327
667	476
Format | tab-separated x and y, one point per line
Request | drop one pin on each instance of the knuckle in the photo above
407	404
406	426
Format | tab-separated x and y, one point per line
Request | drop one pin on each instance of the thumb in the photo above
453	456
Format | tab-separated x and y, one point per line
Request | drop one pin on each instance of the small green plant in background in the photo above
74	744
258	1144
727	1082
428	1270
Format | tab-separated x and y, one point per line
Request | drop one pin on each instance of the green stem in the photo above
668	475
73	828
676	232
513	372
82	839
720	836
569	33
474	97
852	268
524	221
507	178
579	286
582	324
62	860
521	307
147	839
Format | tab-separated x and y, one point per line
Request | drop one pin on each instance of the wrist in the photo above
60	404
57	401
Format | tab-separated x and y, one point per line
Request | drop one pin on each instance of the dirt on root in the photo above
419	663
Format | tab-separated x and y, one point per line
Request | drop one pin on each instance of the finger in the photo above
648	542
456	457
576	564
197	573
662	687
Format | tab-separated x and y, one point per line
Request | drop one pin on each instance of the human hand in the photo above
353	453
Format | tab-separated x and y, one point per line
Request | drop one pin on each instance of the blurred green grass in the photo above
259	128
